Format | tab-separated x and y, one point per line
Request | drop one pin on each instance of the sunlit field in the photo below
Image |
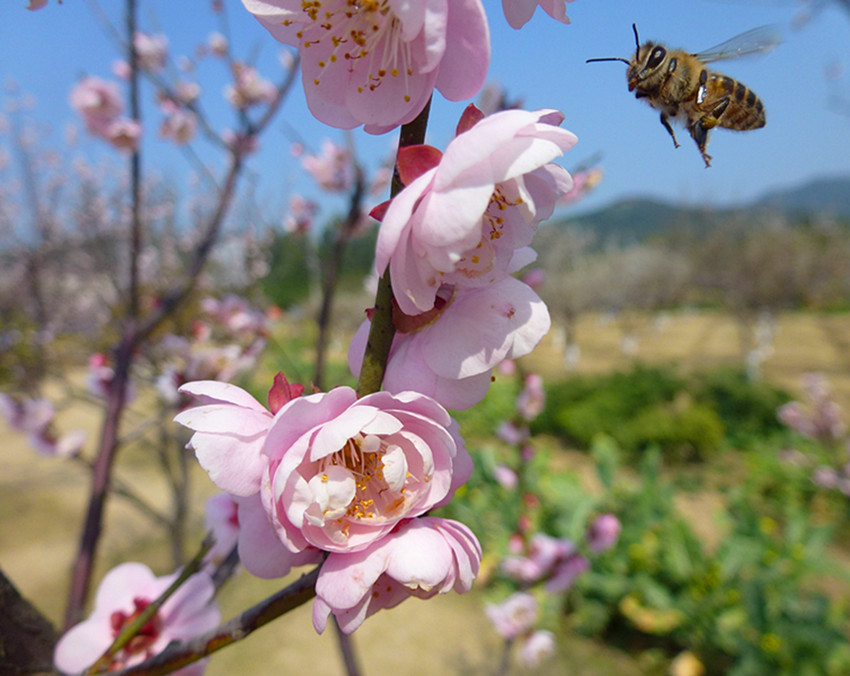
42	501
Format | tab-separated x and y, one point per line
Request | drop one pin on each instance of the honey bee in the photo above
678	84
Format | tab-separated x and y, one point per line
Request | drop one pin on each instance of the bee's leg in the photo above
699	129
669	129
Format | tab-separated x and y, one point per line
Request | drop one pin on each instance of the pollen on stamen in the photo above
321	64
406	98
324	478
394	72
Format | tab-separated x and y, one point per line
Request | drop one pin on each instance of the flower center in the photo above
142	642
481	258
358	32
381	476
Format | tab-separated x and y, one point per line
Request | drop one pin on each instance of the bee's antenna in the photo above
637	41
609	58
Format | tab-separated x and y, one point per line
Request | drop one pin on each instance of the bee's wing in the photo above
758	40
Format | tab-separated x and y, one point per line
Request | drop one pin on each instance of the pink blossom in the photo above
236	314
179	126
332	168
545	553
217	44
518	12
240	143
244	522
603	533
565	573
461	222
124	134
377	64
584	181
343	471
222	520
98	102
532	398
449	353
66	446
260	549
151	51
30	416
123	593
534	278
505	476
230	429
249	88
513	617
422	558
36	4
300	215
536	647
121	69
511	434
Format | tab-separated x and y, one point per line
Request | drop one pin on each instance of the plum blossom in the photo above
519	12
230	429
222	520
34	417
217	44
300	215
460	222
124	592
449	353
377	63
332	168
532	399
343	472
603	533
98	102
249	88
514	616
151	51
421	557
242	522
236	314
100	376
536	647
558	561
179	126
584	181
36	4
124	134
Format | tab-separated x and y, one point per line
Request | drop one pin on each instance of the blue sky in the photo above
544	64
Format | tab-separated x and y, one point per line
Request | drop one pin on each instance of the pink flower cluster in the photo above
99	104
451	241
345	477
34	417
819	416
515	619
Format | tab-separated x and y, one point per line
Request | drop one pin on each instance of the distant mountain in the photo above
633	220
826	195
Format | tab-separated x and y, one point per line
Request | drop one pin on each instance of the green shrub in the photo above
690	432
746	609
747	408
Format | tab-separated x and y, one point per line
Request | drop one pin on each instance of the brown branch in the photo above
26	636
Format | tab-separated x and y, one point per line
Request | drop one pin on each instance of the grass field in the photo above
42	501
